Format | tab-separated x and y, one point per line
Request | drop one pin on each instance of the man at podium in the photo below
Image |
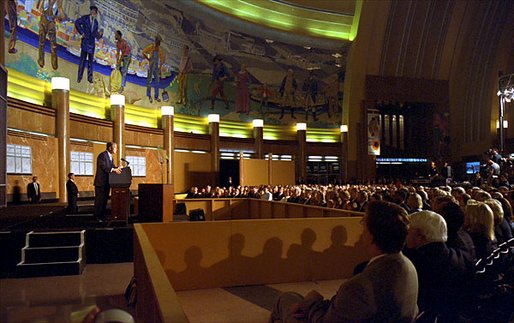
104	166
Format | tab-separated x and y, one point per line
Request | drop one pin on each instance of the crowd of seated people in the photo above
451	229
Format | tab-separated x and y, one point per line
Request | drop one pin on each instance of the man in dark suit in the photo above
34	191
87	26
385	291
73	194
104	166
442	281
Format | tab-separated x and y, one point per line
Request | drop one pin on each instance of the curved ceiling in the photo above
336	20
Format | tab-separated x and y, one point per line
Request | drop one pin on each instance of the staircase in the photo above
52	254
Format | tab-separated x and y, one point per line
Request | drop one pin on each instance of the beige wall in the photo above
191	170
282	172
44	164
254	172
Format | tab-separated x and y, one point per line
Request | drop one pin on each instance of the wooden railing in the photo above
176	256
156	299
238	209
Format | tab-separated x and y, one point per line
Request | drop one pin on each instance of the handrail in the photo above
160	302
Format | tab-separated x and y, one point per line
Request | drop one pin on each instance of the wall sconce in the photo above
258	123
213	118
60	83
118	99
343	128
301	126
167	110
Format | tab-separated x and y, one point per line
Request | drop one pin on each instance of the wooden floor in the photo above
68	298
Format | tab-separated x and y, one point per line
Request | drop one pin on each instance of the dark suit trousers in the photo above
72	204
101	197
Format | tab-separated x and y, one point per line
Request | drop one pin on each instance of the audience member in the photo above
502	230
479	223
439	276
387	289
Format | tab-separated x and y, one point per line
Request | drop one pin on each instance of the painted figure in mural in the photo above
123	57
87	27
287	91
51	11
11	8
219	75
310	87
155	56
185	67
265	93
242	90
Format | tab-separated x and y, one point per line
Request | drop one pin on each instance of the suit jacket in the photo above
103	168
32	193
386	291
72	189
83	26
442	282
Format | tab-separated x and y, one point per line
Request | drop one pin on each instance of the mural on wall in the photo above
154	53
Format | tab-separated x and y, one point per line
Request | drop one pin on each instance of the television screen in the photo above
472	167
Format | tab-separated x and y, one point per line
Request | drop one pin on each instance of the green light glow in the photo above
292	18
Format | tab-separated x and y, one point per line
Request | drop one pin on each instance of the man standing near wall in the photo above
51	10
104	166
87	26
73	194
34	191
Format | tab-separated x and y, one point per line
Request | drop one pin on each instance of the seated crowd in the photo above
450	229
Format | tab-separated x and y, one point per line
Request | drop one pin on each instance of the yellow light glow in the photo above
288	17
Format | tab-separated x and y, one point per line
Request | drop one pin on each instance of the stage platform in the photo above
104	242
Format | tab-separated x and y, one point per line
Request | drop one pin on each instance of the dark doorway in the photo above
229	172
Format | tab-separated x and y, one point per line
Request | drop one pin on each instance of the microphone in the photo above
123	159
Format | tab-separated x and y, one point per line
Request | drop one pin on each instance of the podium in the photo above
120	194
155	202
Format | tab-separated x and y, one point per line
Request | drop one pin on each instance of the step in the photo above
54	239
51	254
50	269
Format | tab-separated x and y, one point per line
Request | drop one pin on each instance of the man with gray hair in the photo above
438	278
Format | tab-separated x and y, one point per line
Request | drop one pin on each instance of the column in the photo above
61	104
301	172
3	114
214	131
118	116
167	113
343	166
258	125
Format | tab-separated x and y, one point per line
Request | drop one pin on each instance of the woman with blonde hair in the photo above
502	229
479	223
